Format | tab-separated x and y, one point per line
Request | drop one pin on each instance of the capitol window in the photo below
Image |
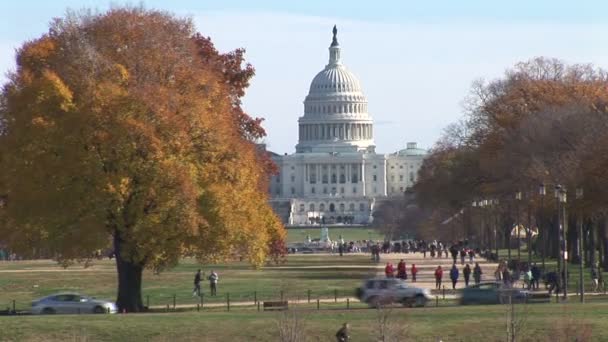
375	178
351	207
342	207
361	206
311	207
354	190
342	190
392	178
324	190
312	190
401	178
322	207
293	178
324	179
301	208
293	191
342	179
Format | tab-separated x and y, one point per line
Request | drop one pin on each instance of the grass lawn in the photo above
349	234
551	266
27	280
540	322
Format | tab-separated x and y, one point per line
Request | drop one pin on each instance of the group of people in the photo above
389	270
213	279
455	275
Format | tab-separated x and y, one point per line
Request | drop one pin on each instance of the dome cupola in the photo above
335	110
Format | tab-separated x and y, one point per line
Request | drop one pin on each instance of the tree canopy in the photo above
125	128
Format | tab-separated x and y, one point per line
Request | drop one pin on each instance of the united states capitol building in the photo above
335	175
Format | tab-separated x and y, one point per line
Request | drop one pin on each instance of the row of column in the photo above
340	131
314	172
337	109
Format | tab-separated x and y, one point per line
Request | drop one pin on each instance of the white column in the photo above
363	183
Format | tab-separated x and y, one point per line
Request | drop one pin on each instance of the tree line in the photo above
539	131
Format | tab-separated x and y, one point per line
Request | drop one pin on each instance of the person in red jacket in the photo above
414	271
438	276
389	270
401	270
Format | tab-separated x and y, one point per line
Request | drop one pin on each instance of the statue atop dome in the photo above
334	41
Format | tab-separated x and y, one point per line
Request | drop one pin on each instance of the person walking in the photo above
466	272
463	254
438	277
389	270
536	275
414	272
477	273
401	270
595	279
471	254
454	252
454	276
342	334
197	284
213	278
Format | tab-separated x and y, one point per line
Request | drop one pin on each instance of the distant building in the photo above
335	175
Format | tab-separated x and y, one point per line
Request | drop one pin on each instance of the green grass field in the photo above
349	234
540	322
28	280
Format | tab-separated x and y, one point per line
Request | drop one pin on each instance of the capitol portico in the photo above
335	175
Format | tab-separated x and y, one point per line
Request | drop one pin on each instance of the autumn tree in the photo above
543	122
125	128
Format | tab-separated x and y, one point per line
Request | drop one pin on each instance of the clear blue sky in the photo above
415	59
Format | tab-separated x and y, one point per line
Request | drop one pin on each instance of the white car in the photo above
71	303
382	291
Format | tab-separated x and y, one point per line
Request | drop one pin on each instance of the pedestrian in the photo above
506	277
463	254
197	284
528	279
424	252
477	273
595	279
341	249
213	278
401	270
536	275
454	276
342	334
466	272
454	252
414	271
438	276
471	255
389	270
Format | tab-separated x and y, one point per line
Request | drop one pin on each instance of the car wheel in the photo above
374	302
48	311
420	300
99	310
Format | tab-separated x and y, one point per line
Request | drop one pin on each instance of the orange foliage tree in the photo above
125	128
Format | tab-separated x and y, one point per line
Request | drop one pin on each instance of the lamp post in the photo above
517	199
579	197
562	222
542	191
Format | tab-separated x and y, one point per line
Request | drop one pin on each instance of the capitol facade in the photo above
335	175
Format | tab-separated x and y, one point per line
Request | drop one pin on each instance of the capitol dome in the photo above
335	110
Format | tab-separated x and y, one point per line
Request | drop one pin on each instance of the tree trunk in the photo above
604	242
129	281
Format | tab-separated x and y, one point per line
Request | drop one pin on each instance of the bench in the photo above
279	305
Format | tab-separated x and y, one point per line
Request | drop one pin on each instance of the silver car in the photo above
71	303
